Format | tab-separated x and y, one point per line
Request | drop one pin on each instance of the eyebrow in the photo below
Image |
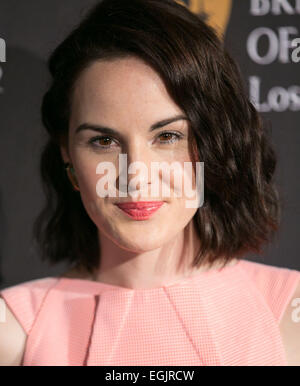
110	131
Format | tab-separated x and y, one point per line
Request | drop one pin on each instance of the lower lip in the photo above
142	213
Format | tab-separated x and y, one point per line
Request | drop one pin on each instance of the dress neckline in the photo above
87	285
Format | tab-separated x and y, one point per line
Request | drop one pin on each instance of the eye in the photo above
104	142
170	137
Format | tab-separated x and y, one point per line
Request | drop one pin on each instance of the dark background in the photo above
33	28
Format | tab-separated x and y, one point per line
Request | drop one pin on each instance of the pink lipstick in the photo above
140	210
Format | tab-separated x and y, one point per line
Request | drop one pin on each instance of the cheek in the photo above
88	179
99	209
86	166
89	172
183	208
183	178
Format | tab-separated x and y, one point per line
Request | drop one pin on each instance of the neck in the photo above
165	265
148	269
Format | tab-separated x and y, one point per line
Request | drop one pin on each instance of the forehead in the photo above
121	90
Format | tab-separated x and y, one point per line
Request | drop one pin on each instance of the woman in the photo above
165	284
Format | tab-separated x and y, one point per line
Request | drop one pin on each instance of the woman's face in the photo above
128	96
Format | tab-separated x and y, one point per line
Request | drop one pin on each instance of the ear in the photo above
64	151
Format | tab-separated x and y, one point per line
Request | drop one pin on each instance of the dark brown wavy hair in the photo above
241	205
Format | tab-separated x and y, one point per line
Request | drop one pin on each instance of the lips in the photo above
139	204
140	210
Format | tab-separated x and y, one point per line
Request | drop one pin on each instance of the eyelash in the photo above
178	136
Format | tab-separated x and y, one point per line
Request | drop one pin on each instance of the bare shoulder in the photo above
290	329
12	338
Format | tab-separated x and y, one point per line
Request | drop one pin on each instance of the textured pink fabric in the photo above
224	317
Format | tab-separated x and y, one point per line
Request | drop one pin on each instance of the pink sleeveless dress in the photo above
223	317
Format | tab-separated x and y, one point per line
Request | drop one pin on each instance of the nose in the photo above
138	173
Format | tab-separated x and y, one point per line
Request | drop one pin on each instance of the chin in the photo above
139	243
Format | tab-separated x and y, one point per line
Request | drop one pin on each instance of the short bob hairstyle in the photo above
241	204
